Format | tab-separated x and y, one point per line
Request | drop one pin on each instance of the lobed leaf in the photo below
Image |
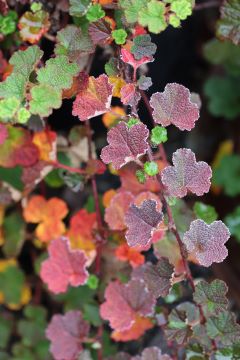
206	242
152	353
128	58
66	333
142	46
131	9
63	267
33	25
44	99
132	145
115	212
142	221
174	106
153	17
186	174
223	328
229	23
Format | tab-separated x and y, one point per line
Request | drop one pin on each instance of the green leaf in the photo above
78	7
91	314
211	296
227	173
223	53
12	176
233	222
111	67
6	327
44	99
76	298
11	284
182	8
8	23
36	6
58	73
224	96
131	9
95	12
159	135
224	328
132	121
93	282
174	21
143	46
8	108
205	212
228	353
23	115
13	86
151	168
140	175
120	36
229	24
14	234
153	17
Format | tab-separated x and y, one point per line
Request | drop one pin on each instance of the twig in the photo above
58	165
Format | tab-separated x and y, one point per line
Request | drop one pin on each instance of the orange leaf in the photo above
138	328
109	119
131	255
45	142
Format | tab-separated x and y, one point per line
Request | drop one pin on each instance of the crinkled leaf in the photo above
206	242
131	9
153	17
174	106
233	222
125	144
124	302
78	7
63	267
8	108
44	99
94	99
152	353
142	221
115	212
130	95
182	8
223	96
223	328
212	296
129	58
95	12
120	36
33	25
186	174
142	46
100	32
156	276
66	333
229	23
58	73
159	135
144	82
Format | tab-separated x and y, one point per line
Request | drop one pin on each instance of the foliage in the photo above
97	235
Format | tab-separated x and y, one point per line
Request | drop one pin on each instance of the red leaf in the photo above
206	242
174	106
3	133
128	58
129	95
100	32
133	256
124	302
142	221
94	100
63	267
186	174
125	144
115	213
66	333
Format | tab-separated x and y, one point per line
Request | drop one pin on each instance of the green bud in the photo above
159	135
140	176
151	168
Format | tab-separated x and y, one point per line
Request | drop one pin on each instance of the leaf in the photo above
66	333
95	12
49	215
133	256
115	212
130	95
24	62
157	277
223	328
142	47
11	284
132	145
233	222
153	17
131	9
142	221
44	99
78	7
8	109
174	106
228	26
211	296
152	353
14	234
159	135
128	58
139	327
58	73
33	25
223	96
120	36
124	302
18	149
182	8
6	328
94	99
205	212
144	82
63	267
3	133
206	242
75	43
186	174
100	32
226	174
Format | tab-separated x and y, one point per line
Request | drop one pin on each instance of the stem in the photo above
58	165
50	37
206	5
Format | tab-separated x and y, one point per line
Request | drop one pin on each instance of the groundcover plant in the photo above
106	246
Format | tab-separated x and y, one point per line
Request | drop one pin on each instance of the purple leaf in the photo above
66	333
125	144
206	242
174	106
152	353
142	221
186	174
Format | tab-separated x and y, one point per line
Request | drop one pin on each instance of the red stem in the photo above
58	165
